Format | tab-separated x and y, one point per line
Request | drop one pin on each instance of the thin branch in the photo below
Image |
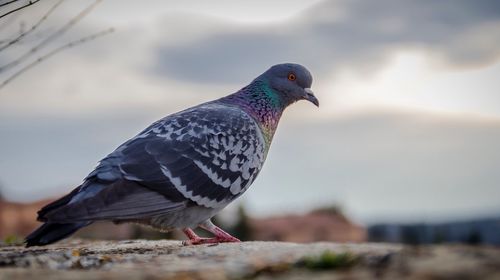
19	8
8	3
55	51
53	36
33	28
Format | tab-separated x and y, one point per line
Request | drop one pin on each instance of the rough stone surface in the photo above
140	259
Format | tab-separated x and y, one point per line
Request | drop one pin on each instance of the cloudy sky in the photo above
409	123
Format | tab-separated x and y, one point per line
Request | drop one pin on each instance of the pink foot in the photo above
220	237
213	240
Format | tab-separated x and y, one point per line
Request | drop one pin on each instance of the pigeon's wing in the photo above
120	200
209	155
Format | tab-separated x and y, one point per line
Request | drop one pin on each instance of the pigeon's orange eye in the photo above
292	77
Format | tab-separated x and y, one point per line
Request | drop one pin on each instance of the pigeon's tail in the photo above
51	232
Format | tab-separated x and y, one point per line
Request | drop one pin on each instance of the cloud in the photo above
384	165
336	34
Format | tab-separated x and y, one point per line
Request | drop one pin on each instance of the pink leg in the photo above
193	237
220	235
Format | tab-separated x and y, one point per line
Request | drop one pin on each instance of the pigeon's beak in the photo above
309	95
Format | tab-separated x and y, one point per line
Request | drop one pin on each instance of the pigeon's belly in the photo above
189	217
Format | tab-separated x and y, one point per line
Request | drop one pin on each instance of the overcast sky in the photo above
409	123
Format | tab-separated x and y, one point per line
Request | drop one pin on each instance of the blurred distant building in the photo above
482	231
319	225
18	219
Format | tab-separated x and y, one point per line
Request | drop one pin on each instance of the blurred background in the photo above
404	148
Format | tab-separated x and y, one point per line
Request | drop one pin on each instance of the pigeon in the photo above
184	168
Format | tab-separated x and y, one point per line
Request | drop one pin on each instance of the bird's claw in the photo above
213	240
220	236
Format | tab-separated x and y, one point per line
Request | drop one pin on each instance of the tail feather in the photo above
51	232
56	204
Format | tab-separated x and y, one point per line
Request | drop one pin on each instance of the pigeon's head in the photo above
291	82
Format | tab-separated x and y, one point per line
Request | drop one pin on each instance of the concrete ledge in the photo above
141	259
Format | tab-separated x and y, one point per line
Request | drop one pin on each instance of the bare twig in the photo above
8	3
53	36
31	2
55	51
33	28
